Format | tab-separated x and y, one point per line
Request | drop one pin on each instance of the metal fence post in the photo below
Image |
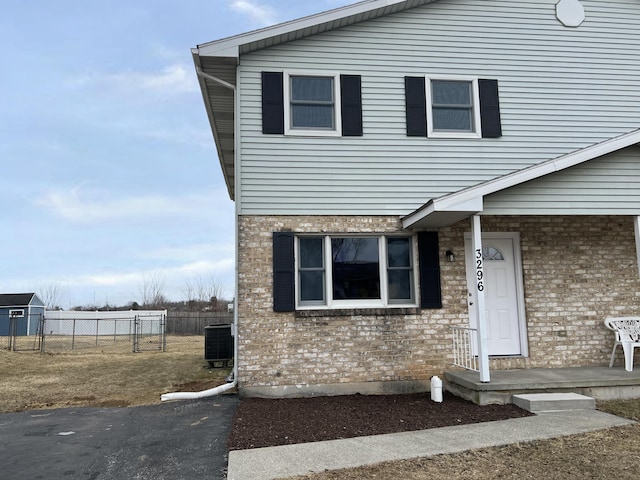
135	334
12	332
42	335
163	329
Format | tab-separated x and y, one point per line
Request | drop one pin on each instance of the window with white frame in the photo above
453	107
313	104
355	271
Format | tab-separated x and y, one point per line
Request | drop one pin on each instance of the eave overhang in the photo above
449	209
220	59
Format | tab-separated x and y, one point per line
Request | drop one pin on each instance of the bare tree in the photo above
204	293
51	293
152	290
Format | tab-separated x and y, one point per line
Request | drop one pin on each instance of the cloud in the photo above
79	207
192	254
171	80
257	12
201	267
157	130
173	278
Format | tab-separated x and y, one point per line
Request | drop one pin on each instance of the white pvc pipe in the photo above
221	388
196	395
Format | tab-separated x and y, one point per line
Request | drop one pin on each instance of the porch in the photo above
601	383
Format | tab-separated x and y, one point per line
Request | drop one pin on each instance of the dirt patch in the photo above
267	422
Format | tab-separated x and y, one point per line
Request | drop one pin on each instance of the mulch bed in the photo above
270	422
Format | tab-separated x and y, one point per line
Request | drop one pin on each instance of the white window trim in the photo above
477	133
337	131
331	304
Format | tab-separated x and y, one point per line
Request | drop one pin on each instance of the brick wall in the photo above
577	270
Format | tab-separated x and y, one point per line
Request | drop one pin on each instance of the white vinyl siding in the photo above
604	186
561	89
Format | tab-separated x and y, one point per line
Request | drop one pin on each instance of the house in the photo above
406	170
25	309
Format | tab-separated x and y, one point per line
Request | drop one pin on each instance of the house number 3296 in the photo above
479	271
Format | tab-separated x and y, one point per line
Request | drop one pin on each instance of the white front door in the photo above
503	292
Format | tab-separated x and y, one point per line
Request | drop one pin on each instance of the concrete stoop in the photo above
553	402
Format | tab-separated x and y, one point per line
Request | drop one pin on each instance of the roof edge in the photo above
474	195
230	46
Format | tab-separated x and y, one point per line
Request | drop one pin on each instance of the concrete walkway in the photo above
291	460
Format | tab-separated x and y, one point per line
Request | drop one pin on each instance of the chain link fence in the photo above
20	333
115	332
110	332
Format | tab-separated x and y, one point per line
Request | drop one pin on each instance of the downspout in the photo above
234	327
215	79
636	224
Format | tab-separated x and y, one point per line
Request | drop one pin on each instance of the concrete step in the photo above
547	402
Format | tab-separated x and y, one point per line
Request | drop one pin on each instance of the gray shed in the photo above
25	308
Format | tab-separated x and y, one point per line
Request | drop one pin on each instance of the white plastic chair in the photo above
627	331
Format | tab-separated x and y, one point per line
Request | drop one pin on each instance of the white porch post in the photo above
637	228
481	314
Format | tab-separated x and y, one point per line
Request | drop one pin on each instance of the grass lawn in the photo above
31	380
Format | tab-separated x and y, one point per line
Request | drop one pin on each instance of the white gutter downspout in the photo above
215	79
234	327
636	222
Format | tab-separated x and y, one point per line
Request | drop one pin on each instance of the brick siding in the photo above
577	270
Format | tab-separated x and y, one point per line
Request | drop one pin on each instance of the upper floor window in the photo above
453	107
350	271
311	103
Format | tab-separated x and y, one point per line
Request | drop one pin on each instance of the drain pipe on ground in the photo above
216	390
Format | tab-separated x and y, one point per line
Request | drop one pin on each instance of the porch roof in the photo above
456	206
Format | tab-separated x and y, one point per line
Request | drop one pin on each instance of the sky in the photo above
109	177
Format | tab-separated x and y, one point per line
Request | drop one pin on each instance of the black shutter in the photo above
272	103
489	108
416	106
429	257
351	105
283	272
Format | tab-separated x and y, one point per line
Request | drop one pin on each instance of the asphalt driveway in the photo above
177	440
